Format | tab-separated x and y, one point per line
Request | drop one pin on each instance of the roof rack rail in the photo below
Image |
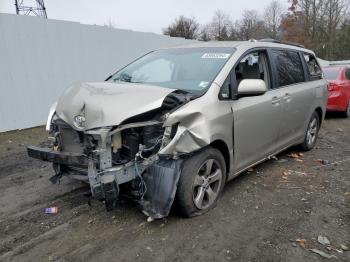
271	40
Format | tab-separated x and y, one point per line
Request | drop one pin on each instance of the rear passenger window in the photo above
313	67
288	66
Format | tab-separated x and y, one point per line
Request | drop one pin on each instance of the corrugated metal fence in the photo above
40	58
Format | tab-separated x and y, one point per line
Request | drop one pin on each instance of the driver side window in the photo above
253	66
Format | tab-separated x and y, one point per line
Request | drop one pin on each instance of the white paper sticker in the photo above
216	55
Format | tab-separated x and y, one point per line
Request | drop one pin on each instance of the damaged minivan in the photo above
175	125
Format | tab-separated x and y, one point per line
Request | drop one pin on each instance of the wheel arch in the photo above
223	148
319	112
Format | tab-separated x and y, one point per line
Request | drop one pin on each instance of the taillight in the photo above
332	87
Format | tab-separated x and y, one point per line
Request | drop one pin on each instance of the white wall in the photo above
40	58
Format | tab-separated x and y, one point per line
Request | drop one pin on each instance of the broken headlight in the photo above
79	121
169	134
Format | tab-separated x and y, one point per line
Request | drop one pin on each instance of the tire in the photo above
346	113
201	182
311	133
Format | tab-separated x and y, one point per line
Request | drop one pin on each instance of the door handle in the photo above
275	101
287	98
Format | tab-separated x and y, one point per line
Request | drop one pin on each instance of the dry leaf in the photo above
301	242
293	155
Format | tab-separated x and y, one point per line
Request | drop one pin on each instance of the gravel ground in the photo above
260	216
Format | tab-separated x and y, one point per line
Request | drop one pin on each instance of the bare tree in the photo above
220	26
205	33
342	52
312	15
321	21
183	27
252	26
110	23
272	17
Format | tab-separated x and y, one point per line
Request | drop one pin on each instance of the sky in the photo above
140	15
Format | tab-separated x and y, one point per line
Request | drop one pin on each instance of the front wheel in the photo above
311	133
201	182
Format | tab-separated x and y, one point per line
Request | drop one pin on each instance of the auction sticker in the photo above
216	55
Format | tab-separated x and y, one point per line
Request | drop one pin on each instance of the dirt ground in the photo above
260	216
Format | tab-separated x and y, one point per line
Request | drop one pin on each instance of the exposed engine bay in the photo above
120	159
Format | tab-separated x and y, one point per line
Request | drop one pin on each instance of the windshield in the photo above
331	73
188	69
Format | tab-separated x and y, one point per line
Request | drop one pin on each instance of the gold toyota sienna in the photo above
178	123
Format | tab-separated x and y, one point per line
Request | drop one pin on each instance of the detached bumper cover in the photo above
65	158
161	179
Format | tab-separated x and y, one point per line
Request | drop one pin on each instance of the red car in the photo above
338	78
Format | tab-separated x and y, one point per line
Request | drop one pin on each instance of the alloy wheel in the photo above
207	184
312	131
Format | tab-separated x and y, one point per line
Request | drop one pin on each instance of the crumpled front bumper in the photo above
65	158
161	178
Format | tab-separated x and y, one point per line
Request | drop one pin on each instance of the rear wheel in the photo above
346	113
201	182
311	133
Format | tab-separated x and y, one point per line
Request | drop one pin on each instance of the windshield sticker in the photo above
216	55
203	84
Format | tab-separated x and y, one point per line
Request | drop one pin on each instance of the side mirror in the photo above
251	87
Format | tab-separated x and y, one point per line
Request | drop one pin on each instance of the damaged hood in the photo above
108	104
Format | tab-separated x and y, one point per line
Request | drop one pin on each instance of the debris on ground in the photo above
340	130
296	156
293	155
51	210
321	253
296	172
290	172
323	240
344	247
323	161
282	160
329	163
301	242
